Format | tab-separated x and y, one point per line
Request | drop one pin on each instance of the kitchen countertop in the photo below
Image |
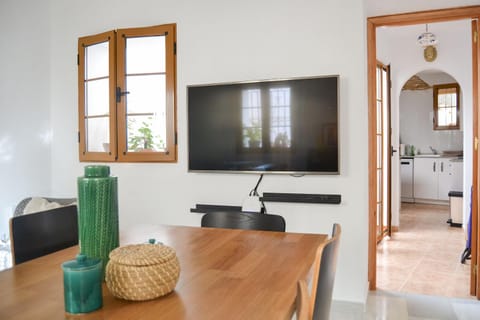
441	156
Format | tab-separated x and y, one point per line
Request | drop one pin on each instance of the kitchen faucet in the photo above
433	150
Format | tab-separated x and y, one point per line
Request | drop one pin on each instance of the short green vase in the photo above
98	213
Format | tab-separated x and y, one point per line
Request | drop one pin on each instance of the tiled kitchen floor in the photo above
423	257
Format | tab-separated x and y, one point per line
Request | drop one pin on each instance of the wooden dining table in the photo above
225	274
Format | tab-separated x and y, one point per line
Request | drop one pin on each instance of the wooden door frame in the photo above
475	240
403	19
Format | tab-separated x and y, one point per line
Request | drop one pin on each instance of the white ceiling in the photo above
383	7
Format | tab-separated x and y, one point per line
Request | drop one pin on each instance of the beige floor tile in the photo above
424	255
424	287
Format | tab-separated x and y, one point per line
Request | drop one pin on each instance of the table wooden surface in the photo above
225	274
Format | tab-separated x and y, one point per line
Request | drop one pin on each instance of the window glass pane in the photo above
98	135
145	54
96	97
280	130
447	116
146	133
441	100
147	94
452	112
96	60
252	118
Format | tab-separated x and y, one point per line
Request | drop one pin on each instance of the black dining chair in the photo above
37	234
317	304
243	220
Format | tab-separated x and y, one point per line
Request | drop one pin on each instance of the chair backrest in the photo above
243	220
318	305
19	209
37	234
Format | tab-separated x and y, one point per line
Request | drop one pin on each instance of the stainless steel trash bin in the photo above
456	208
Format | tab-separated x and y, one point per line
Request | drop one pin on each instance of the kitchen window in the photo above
446	106
127	93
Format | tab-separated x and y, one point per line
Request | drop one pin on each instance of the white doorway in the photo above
412	129
375	25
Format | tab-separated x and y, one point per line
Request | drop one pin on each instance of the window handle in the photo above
120	93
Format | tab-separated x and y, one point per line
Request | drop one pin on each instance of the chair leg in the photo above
303	302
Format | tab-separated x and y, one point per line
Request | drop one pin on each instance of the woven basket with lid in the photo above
142	271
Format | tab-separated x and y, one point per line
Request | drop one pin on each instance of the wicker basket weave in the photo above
142	271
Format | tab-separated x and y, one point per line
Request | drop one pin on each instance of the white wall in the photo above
416	118
25	130
231	41
397	46
416	128
217	41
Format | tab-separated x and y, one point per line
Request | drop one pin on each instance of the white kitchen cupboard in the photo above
432	178
445	178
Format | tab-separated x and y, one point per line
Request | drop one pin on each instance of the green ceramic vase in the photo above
97	213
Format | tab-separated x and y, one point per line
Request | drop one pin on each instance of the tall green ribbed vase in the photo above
97	213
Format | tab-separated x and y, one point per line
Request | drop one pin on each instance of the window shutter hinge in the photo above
119	93
174	48
475	269
78	59
475	145
475	36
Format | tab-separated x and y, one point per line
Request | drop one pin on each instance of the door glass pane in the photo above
98	135
379	117
146	94
96	97
379	187
146	133
379	151
379	219
96	60
379	84
145	55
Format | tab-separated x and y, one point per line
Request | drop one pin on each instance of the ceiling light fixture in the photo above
428	41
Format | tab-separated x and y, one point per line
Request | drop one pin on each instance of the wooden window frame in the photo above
436	88
117	110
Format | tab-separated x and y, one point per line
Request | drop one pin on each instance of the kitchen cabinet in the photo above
432	178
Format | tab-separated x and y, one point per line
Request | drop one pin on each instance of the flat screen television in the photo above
271	126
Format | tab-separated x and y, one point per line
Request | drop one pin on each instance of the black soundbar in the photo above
205	208
301	197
